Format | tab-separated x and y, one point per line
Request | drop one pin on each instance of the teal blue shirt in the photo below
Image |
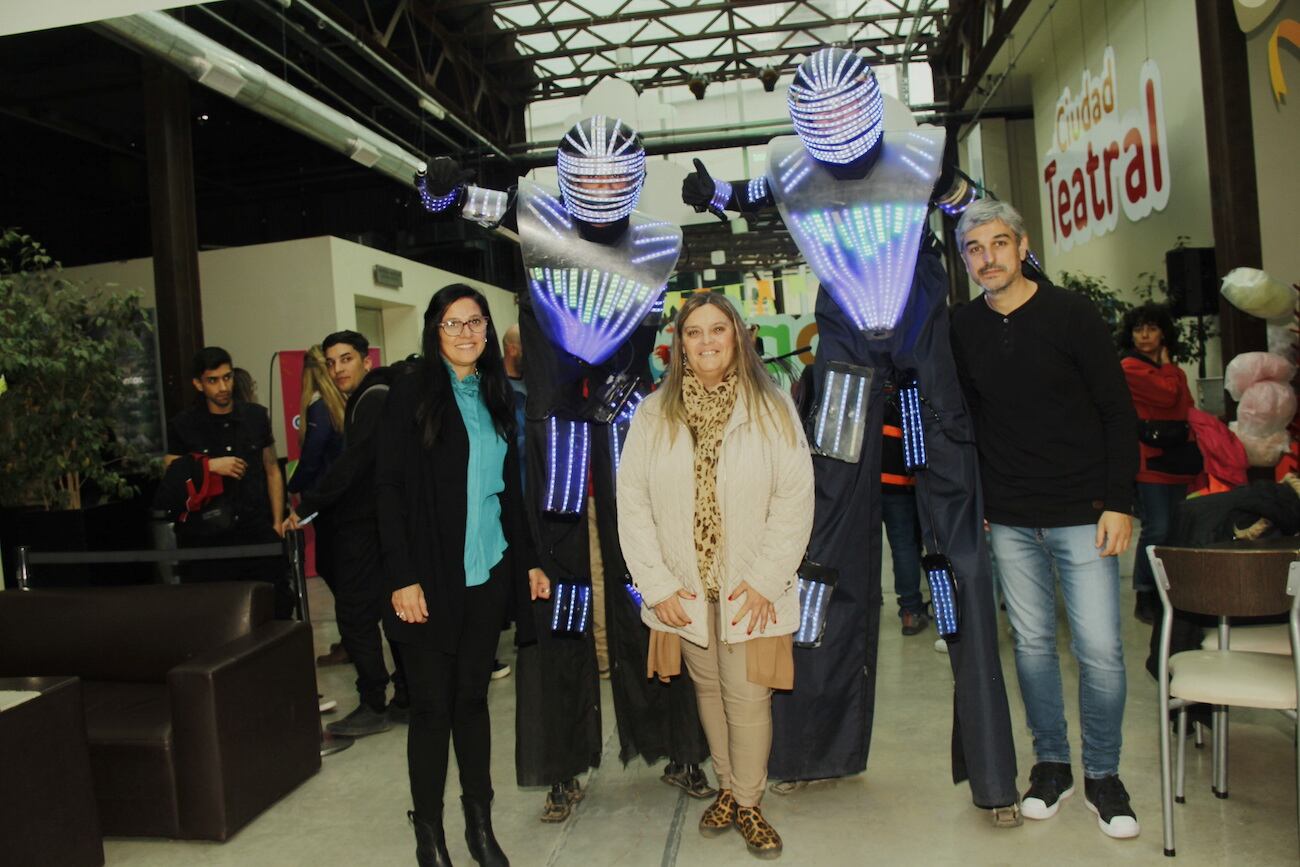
485	542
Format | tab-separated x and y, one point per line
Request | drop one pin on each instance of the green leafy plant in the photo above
1150	287
61	346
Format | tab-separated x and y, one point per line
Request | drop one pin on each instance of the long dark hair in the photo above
435	382
1150	313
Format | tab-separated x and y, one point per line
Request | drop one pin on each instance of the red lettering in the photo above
1135	176
1108	156
1063	207
1157	176
1080	200
1048	174
1098	207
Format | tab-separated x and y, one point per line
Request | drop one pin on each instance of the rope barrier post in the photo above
22	577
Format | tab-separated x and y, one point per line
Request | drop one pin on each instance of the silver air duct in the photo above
215	66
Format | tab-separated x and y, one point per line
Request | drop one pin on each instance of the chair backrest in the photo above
1238	582
130	634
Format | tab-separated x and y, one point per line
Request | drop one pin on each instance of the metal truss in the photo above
656	43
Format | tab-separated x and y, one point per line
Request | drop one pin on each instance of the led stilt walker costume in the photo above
855	195
595	269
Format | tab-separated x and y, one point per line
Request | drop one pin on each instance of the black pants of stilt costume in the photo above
448	694
655	720
823	728
556	680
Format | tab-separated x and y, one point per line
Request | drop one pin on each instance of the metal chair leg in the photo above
1220	739
1200	734
1182	756
1166	787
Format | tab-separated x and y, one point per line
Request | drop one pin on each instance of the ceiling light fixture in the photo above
697	85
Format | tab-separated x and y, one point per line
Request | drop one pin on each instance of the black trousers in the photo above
449	703
359	600
273	570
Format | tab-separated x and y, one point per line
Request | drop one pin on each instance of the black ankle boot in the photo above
430	843
482	843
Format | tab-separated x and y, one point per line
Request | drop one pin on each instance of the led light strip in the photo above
589	306
812	599
838	113
909	398
485	206
756	190
567	452
721	195
436	204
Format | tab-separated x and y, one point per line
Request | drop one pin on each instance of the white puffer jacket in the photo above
765	495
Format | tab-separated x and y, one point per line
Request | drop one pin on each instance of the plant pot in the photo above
114	526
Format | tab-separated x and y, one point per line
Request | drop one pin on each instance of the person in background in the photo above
345	498
458	554
1056	434
1160	394
234	441
898	513
320	442
715	561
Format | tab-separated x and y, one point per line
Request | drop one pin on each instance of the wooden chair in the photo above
1223	583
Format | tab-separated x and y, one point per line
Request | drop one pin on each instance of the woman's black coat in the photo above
421	510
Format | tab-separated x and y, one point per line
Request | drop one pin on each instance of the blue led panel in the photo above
567	454
572	608
842	412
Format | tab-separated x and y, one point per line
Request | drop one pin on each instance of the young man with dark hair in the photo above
1057	439
234	440
346	493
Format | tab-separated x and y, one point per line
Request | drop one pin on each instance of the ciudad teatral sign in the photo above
1101	163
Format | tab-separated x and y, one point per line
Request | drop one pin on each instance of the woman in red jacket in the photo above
1162	399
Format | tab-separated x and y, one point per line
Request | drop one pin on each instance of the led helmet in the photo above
836	106
602	169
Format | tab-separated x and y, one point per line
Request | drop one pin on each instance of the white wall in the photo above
1277	130
264	298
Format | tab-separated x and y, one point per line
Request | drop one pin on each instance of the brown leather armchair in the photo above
201	710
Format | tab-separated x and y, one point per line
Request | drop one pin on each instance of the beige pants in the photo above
736	714
597	589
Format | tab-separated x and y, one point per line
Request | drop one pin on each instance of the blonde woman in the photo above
320	422
715	506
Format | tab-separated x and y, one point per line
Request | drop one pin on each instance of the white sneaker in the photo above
940	646
326	704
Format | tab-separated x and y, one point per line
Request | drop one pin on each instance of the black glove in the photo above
444	175
697	191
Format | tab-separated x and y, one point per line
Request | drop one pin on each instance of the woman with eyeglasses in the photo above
457	552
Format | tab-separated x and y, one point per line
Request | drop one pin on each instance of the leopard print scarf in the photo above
707	414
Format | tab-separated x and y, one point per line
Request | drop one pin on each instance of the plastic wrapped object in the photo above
1249	368
572	609
1265	450
816	583
841	418
1265	408
1253	291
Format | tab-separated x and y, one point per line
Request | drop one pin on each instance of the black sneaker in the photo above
399	713
914	622
1108	798
690	779
1049	784
365	720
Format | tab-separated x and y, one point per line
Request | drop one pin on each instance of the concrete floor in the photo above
903	810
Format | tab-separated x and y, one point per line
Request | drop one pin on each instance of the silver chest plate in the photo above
588	297
860	237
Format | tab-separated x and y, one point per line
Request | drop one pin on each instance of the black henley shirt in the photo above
1054	421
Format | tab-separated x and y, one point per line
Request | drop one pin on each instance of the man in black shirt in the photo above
1057	439
346	493
235	440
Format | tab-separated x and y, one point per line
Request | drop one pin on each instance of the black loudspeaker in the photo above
1193	281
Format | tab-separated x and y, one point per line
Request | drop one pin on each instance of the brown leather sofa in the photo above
200	709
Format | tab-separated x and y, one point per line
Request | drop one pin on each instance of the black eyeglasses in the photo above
453	327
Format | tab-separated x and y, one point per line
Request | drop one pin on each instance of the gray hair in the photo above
984	211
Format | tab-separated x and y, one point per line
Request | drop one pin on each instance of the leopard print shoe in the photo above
720	815
760	836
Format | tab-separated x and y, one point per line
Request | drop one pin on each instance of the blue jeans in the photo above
1156	504
904	531
1090	585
